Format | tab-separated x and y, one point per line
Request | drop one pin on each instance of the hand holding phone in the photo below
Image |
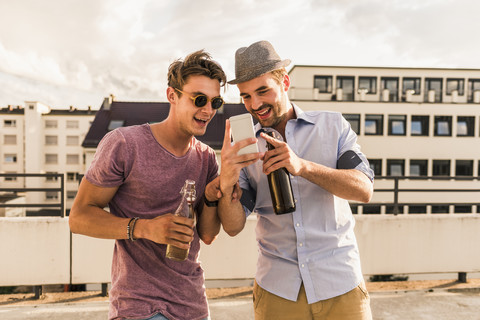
242	128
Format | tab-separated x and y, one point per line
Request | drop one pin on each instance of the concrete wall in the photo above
36	251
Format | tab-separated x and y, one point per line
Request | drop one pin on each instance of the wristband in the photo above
210	203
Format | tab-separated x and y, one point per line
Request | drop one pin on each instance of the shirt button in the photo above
303	265
301	244
298	224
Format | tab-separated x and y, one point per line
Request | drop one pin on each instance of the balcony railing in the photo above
31	187
397	192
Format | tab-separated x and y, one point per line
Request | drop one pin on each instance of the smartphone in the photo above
242	128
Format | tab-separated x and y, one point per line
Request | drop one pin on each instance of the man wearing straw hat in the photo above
308	265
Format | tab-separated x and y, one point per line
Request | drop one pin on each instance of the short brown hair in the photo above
198	63
279	74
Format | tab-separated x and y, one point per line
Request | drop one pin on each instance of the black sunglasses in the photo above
201	100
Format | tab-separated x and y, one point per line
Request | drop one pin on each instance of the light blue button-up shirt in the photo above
315	244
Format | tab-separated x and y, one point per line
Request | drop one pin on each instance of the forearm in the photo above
231	213
95	222
349	184
208	225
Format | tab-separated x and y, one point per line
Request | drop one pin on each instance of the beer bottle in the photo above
185	209
280	188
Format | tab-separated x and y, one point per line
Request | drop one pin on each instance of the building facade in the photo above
37	139
420	123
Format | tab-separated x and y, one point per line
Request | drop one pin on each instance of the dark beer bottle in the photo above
280	188
185	209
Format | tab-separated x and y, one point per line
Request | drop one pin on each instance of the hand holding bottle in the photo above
280	156
280	186
184	210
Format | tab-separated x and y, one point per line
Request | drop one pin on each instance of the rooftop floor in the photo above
434	299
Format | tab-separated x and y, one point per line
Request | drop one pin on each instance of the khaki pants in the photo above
353	305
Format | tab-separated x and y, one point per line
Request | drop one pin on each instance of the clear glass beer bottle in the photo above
185	209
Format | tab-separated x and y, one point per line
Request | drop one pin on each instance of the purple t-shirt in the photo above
150	178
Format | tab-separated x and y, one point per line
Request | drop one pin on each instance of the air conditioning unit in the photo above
385	95
339	93
409	95
431	96
362	94
454	96
476	96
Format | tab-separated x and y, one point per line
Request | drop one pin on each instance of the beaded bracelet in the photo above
128	228
130	235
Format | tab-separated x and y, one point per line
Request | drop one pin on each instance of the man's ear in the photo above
171	95
286	82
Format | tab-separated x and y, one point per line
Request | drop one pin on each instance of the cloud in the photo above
72	52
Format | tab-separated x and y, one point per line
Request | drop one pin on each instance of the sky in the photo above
76	52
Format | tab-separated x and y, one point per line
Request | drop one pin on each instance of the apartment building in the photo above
37	139
411	122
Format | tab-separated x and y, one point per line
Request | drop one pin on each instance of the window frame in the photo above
437	120
397	118
379	124
460	86
370	85
350	118
329	83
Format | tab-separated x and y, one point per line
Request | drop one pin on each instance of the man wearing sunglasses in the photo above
138	171
308	264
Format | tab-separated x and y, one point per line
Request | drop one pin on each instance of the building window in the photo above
371	209
440	209
354	120
418	168
72	124
397	125
323	83
10	139
72	159
455	85
417	209
10	158
51	195
441	168
10	178
433	85
464	168
71	194
473	86
390	84
395	167
347	84
463	209
376	166
465	126
374	124
51	124
71	176
51	158
443	126
419	125
368	83
51	140
51	178
73	140
391	209
9	123
411	84
114	124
